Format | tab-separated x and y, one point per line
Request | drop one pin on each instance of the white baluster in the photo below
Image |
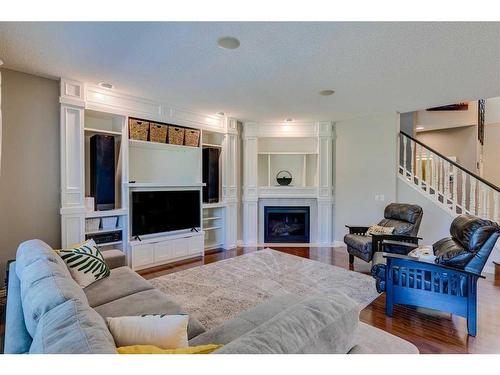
480	199
495	206
455	189
404	156
428	170
486	206
464	177
421	167
413	160
435	176
446	181
472	204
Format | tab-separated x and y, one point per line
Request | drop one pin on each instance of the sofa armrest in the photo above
378	239
318	324
428	263
114	258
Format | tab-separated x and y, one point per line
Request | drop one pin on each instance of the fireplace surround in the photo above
286	224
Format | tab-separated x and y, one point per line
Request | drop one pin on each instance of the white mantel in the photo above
294	139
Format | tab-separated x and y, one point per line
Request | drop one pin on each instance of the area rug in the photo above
217	292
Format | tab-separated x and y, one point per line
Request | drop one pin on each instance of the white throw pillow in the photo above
163	331
85	263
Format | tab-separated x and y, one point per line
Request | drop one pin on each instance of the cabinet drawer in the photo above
196	245
142	255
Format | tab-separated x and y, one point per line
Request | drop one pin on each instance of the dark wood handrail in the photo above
494	187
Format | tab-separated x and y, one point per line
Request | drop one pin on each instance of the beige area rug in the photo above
217	292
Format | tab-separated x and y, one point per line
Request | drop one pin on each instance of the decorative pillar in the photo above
229	184
325	188
250	188
72	162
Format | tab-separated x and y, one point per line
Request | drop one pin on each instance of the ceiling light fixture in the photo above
105	85
221	113
289	119
326	92
228	42
419	128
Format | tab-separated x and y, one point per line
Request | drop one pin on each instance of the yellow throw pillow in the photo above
151	349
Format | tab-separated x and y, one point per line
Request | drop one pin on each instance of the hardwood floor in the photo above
429	330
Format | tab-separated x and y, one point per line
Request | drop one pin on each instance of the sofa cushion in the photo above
371	340
246	321
72	328
450	252
44	285
150	301
120	283
318	324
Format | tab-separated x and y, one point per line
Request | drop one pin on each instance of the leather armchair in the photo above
405	218
449	283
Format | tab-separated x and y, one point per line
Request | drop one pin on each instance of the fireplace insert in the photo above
286	224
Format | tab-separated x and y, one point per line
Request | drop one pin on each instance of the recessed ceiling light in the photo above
1	62
228	42
221	113
105	85
289	119
326	92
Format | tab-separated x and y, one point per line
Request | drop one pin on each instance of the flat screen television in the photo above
164	211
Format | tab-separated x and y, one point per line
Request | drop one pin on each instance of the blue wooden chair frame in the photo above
414	282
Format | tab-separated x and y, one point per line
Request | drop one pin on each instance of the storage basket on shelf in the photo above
175	135
192	137
92	224
138	130
158	132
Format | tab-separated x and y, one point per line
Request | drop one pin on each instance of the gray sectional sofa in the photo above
47	312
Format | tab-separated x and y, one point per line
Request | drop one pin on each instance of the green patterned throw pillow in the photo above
85	263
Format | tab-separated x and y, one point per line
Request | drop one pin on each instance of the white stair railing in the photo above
446	182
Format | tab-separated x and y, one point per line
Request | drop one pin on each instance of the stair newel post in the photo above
464	177
455	189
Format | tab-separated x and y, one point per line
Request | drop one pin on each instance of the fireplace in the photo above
286	224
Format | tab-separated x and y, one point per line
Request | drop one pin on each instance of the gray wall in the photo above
29	175
365	170
460	142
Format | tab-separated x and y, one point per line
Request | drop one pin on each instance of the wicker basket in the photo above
175	135
138	129
158	132
192	137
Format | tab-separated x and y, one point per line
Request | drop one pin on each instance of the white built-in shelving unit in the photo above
86	110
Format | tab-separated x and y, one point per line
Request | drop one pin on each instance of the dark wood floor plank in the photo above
431	331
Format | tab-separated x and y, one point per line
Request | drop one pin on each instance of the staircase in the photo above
447	183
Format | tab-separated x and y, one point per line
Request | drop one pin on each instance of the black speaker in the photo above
102	171
211	174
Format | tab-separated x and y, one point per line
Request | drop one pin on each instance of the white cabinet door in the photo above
196	245
163	251
179	247
142	255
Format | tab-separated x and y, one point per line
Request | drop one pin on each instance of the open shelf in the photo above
212	228
104	231
118	212
212	245
212	218
158	145
302	166
101	131
110	243
214	205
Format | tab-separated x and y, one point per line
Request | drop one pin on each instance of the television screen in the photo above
164	211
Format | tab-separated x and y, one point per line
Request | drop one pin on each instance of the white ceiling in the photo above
279	68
